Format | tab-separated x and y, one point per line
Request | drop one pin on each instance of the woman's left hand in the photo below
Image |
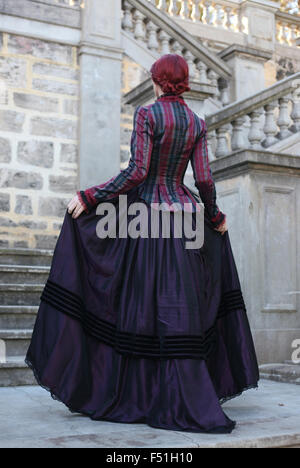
75	207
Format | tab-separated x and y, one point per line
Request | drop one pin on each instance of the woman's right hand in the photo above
75	207
222	229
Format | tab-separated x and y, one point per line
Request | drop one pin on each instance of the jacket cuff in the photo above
83	200
218	220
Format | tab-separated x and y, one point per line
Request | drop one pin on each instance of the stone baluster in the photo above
176	48
154	2
202	72
190	61
139	27
270	127
222	142
152	36
163	6
294	34
185	9
197	13
127	23
208	14
213	78
237	138
285	33
165	42
173	8
255	135
278	32
295	114
284	120
219	15
211	135
224	91
228	13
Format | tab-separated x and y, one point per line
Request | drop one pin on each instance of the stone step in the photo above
20	294
286	373
27	274
17	317
16	342
14	372
26	256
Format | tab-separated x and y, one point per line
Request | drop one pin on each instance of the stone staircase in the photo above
23	273
287	372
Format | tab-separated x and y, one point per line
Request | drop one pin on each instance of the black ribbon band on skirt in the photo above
139	345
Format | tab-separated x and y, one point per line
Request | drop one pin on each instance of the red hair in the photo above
171	73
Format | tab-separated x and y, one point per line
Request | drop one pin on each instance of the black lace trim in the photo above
139	345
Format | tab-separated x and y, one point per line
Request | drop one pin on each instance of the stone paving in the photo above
266	417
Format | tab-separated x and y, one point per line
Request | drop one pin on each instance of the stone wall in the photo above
132	75
39	95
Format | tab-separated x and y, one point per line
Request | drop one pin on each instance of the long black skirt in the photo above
143	330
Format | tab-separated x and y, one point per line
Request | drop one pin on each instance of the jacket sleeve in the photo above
203	177
140	148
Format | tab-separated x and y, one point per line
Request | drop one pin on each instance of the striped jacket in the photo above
166	135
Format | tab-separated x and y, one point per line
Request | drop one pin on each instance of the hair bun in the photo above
171	73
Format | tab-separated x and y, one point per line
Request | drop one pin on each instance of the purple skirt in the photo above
143	330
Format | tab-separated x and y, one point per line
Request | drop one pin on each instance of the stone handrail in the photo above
65	3
227	14
258	121
160	34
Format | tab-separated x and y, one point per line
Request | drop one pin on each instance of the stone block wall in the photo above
39	109
132	75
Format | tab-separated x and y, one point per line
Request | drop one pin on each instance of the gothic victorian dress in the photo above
142	329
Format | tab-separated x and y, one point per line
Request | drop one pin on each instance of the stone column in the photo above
100	92
259	192
247	64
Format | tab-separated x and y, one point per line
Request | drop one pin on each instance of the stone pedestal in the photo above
260	193
100	87
247	64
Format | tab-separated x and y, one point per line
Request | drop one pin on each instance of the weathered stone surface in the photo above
11	121
69	153
6	222
3	243
5	150
37	153
57	128
65	184
33	225
21	244
125	135
57	226
55	70
4	202
39	103
13	71
52	86
39	49
71	107
53	206
45	242
20	179
23	205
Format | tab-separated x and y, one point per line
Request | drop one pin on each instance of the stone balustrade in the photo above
258	121
161	36
227	15
68	3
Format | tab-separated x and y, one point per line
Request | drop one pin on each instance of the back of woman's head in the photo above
171	73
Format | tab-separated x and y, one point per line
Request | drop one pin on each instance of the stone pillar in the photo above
259	192
247	64
100	92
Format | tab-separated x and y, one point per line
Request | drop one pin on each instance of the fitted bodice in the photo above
174	135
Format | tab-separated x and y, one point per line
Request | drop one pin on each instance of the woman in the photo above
141	329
